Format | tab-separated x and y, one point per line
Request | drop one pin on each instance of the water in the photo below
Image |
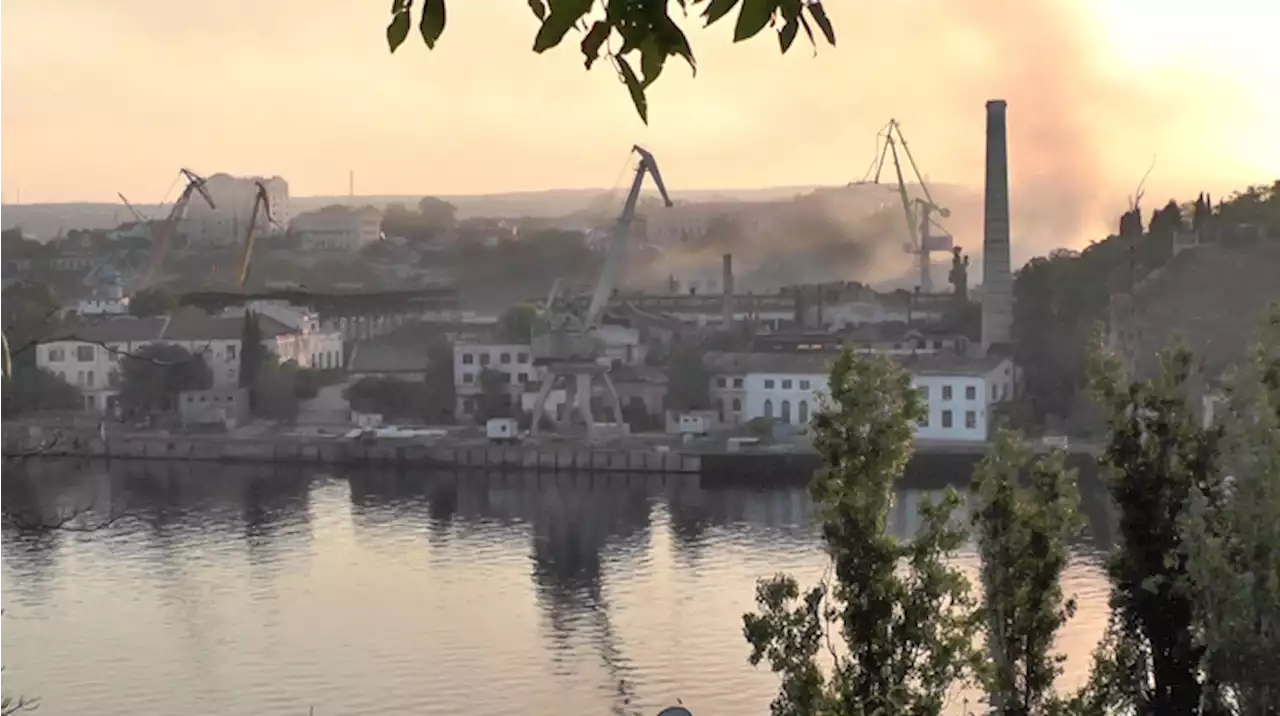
238	591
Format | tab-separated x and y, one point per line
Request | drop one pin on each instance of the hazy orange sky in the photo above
101	97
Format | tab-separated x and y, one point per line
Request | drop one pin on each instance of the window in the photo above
84	354
522	357
89	379
768	384
737	382
924	419
970	419
737	405
80	378
768	408
946	392
231	352
970	392
485	358
55	355
803	411
786	385
468	359
721	382
505	358
786	411
523	378
804	385
468	377
946	418
924	393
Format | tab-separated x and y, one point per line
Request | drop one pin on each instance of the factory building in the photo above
234	198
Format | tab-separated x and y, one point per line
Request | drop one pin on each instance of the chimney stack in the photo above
726	285
997	280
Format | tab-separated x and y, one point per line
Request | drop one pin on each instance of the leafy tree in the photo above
275	389
152	302
30	389
1232	540
438	399
1158	457
688	380
252	352
495	396
152	377
515	325
645	30
437	214
904	615
1022	534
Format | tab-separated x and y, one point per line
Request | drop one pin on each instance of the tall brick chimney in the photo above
726	285
997	279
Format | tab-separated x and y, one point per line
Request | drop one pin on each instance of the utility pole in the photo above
351	183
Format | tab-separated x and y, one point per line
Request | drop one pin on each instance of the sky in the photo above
100	98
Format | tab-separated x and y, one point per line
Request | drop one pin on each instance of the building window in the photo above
786	411
484	359
89	379
737	405
84	354
804	385
522	357
505	359
523	378
468	359
468	377
946	392
803	412
970	392
721	382
924	419
786	385
970	419
946	418
737	382
231	352
768	384
55	355
768	408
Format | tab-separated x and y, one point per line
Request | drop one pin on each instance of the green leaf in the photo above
432	23
539	10
808	31
676	43
787	34
717	9
635	88
819	16
652	58
595	37
398	30
752	18
563	15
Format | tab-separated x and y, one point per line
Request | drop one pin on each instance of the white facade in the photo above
307	343
513	360
234	196
338	228
958	405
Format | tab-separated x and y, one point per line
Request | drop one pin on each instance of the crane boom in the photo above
261	202
618	242
168	227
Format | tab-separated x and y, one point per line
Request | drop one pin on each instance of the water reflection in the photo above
249	589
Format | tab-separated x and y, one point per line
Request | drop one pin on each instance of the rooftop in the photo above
820	362
178	327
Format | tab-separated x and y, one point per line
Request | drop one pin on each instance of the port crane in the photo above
261	203
919	212
164	231
565	342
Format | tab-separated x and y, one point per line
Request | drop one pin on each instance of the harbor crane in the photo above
919	212
164	231
565	342
261	202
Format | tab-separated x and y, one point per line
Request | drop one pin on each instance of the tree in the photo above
152	302
1158	457
904	614
391	398
438	400
1233	540
31	389
644	29
152	377
688	380
437	214
275	389
495	397
515	325
252	352
1022	534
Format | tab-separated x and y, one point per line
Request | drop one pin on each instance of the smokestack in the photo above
997	282
726	284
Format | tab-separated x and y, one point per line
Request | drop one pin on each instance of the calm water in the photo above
238	591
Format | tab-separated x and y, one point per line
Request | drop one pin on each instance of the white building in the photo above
91	359
958	392
234	197
471	358
338	228
306	342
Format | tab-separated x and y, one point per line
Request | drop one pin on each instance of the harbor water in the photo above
249	589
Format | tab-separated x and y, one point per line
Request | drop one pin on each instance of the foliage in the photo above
1022	534
433	216
644	30
1157	458
391	398
904	615
495	398
30	315
152	302
30	389
152	377
438	396
252	352
688	380
275	389
515	325
1233	541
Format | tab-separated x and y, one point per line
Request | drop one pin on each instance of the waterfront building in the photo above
472	357
338	228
